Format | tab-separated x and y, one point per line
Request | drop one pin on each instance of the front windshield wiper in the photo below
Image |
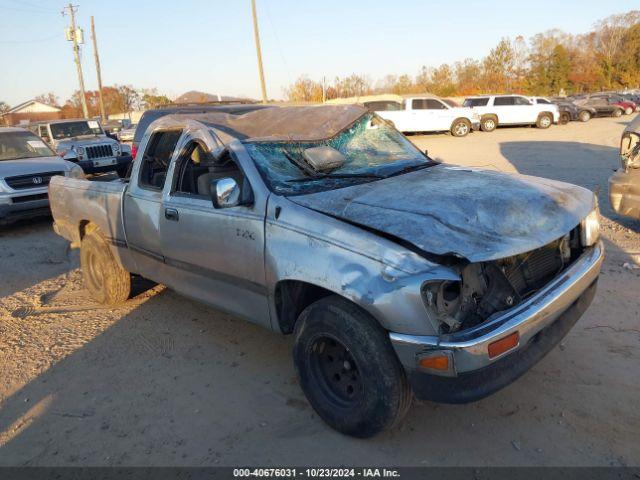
331	176
411	168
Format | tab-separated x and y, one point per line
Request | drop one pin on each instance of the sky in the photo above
177	46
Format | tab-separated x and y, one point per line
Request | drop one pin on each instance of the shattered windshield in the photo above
18	145
371	148
64	130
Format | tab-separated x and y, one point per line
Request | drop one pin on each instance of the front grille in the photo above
30	181
530	271
99	151
30	198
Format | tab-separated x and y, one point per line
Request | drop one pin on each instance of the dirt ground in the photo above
166	381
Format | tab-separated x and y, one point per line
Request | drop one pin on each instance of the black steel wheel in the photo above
335	372
348	369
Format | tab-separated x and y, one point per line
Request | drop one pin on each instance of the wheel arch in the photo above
291	297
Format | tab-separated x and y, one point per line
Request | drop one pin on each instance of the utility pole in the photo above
256	35
73	33
103	114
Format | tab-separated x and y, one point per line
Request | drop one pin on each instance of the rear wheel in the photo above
544	120
565	117
107	282
584	116
489	124
617	113
348	369
460	127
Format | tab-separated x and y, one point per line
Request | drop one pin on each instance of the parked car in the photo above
27	165
624	184
150	115
125	135
632	97
566	110
393	273
601	105
85	143
628	107
495	110
572	111
420	113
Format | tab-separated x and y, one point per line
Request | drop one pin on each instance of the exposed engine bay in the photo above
491	287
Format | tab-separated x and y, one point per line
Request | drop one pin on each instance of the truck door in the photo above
143	202
506	110
215	255
423	115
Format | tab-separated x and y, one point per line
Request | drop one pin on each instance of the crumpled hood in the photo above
445	210
31	166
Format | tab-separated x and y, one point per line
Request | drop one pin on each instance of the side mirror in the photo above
225	193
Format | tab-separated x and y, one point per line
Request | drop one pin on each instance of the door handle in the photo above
171	214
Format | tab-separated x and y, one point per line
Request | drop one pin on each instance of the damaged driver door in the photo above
215	255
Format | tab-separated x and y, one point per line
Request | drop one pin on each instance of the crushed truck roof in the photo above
283	124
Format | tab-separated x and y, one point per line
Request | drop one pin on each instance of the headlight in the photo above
590	229
80	150
116	148
76	172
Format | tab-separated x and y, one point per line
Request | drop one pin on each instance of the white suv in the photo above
497	110
422	113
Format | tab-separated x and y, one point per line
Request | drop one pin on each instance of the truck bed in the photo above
75	202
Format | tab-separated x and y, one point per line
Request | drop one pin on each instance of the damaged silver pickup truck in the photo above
395	274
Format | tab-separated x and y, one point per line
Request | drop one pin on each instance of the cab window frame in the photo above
142	183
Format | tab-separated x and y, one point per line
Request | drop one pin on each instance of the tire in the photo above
488	124
460	127
565	117
628	111
584	116
545	120
104	278
616	113
348	369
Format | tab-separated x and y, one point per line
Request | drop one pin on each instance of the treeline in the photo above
550	63
117	99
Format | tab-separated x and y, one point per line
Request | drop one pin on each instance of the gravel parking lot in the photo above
166	381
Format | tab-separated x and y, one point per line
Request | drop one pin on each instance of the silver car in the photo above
26	167
85	143
396	275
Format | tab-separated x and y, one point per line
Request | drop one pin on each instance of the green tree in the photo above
498	68
559	70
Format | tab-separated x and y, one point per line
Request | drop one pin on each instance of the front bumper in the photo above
121	161
541	322
23	206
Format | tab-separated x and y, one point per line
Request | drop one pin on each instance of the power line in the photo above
30	41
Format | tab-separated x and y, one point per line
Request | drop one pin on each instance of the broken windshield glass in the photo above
371	148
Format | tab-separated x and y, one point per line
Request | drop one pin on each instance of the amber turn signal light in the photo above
438	362
504	344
